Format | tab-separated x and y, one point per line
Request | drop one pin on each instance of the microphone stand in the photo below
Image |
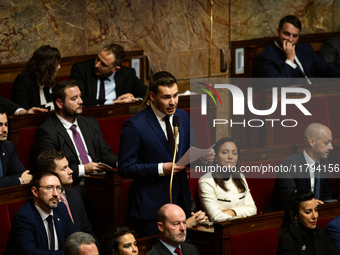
173	163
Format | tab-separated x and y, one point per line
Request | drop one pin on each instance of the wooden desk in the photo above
216	239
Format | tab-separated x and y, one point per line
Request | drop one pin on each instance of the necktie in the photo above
102	88
170	134
80	145
50	227
63	199
317	181
178	251
1	173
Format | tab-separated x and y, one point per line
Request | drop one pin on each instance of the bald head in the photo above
318	141
171	224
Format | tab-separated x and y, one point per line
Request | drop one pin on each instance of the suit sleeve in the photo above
329	53
78	73
129	165
325	69
14	168
20	91
333	231
139	88
8	105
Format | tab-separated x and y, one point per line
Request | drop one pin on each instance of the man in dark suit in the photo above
55	161
42	224
104	81
78	137
12	171
146	154
172	232
308	169
333	231
285	58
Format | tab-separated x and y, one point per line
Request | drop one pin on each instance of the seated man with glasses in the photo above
42	224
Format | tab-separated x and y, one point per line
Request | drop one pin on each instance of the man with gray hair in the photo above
309	169
80	243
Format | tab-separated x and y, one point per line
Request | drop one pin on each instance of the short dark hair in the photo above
58	90
292	20
116	50
3	110
162	78
43	64
111	239
39	175
75	240
45	160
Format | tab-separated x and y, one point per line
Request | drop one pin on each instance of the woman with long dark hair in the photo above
298	232
33	87
224	193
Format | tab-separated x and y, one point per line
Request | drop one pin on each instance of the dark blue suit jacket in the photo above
333	231
9	105
270	63
11	165
287	183
28	234
142	146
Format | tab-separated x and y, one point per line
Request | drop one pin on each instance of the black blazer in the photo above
52	135
320	245
287	183
26	94
8	105
76	205
159	248
126	82
11	165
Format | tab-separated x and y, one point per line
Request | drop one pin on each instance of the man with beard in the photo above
172	232
42	224
12	171
104	80
309	169
78	137
285	58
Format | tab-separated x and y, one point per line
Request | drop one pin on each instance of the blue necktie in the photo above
50	227
1	172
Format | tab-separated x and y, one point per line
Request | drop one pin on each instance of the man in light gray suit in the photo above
172	232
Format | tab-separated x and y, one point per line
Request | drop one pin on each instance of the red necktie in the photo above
63	199
178	251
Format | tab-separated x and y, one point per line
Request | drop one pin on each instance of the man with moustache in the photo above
42	224
146	152
12	171
172	232
309	169
104	81
55	161
78	137
285	58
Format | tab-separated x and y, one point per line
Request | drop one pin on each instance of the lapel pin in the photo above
3	154
304	247
58	219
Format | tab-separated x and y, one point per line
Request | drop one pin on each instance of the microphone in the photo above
175	124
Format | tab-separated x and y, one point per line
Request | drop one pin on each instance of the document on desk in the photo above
191	155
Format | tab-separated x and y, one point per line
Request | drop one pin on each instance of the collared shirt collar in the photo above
42	213
66	123
157	112
309	160
170	247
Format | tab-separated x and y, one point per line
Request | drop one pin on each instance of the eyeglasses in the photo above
51	188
